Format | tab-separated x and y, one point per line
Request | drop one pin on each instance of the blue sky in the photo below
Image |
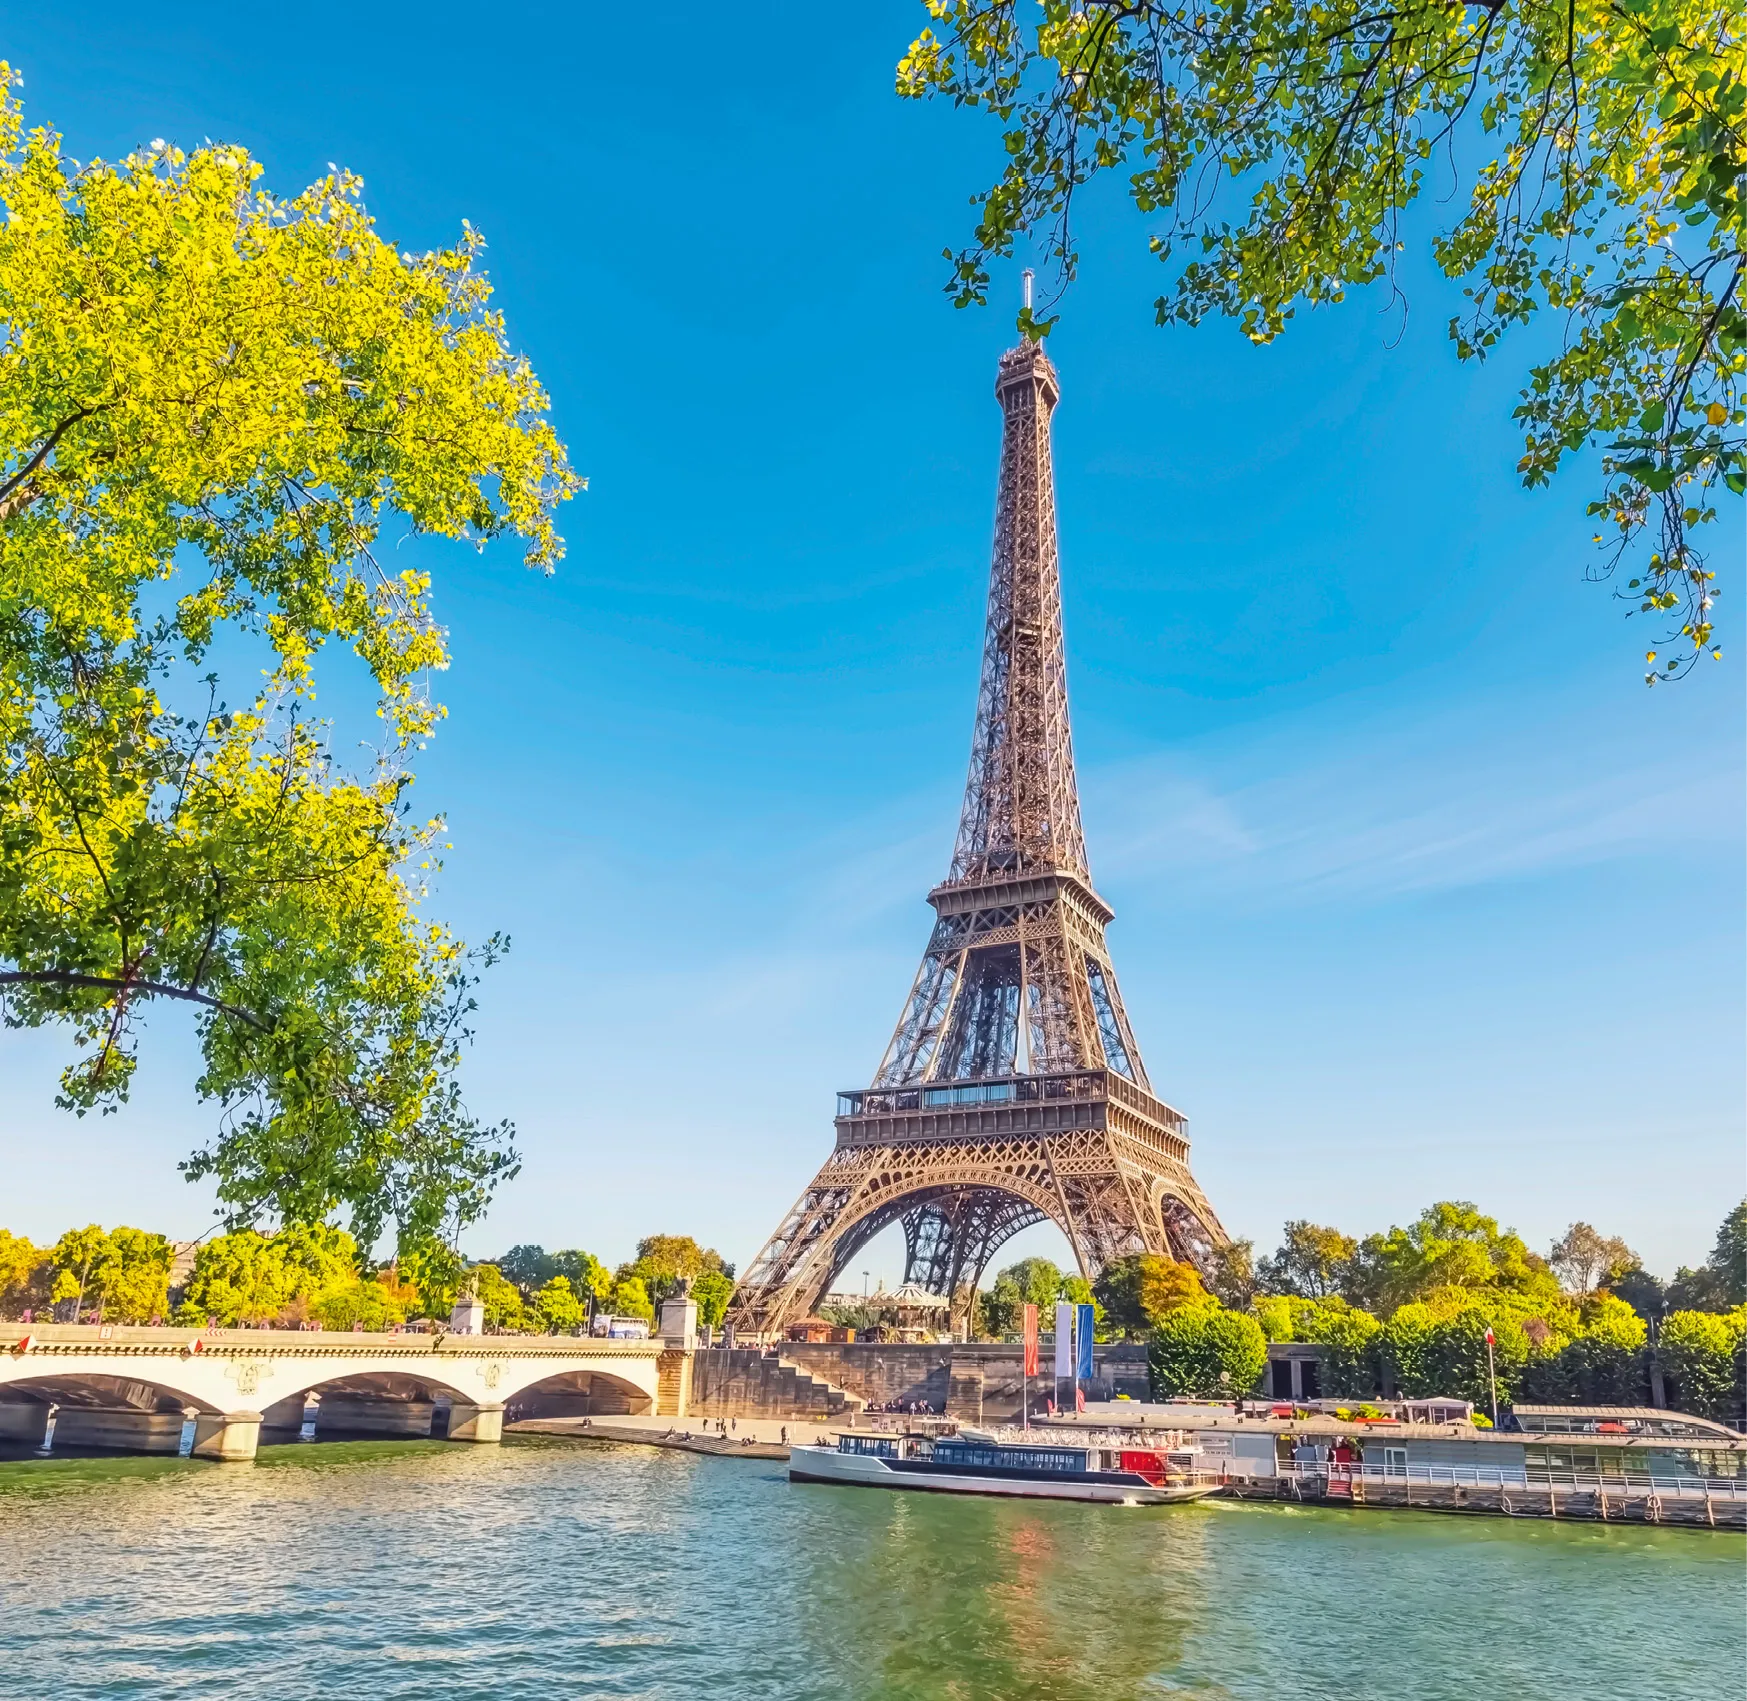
1419	892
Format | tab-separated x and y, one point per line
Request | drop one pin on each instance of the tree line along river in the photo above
400	1570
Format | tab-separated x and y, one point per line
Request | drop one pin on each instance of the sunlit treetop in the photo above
213	401
1276	145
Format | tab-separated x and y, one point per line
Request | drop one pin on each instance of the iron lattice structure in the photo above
1013	1090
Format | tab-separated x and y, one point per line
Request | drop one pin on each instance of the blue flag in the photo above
1083	1357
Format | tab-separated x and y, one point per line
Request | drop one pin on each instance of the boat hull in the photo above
860	1470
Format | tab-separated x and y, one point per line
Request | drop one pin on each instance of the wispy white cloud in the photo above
1373	809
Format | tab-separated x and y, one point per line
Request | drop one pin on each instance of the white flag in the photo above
1064	1339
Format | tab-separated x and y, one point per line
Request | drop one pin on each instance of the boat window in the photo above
1010	1458
880	1446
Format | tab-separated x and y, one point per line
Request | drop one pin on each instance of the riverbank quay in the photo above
1629	1467
752	1438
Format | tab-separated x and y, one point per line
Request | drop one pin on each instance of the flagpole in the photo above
1492	1375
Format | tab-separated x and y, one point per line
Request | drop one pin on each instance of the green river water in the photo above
545	1569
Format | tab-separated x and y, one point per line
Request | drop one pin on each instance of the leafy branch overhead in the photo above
212	401
1277	145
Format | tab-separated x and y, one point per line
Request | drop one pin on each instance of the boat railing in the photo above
1480	1476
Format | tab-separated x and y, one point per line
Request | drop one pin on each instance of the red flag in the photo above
1031	1340
1490	1337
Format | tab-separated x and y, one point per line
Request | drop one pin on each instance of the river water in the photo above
544	1569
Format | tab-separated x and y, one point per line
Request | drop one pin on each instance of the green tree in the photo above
1445	1354
529	1267
1351	1359
1452	1247
1275	1313
1032	1281
123	1275
27	1276
212	403
1643	1292
586	1272
664	1260
1206	1352
239	1278
1312	1261
1138	1290
371	1302
1702	1358
318	1256
558	1308
1118	1289
1603	1364
630	1298
1721	1282
712	1291
1232	1279
1606	152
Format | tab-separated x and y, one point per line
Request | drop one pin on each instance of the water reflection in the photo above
402	1569
942	1596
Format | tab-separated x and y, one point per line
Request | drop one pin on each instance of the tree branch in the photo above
158	988
11	487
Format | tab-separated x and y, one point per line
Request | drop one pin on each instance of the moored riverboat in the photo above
1050	1470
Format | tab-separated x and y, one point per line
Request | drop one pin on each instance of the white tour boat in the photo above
971	1464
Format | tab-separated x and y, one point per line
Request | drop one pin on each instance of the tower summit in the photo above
1012	1090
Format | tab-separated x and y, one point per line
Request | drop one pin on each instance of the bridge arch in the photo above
578	1393
94	1390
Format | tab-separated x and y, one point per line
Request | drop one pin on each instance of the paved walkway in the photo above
746	1437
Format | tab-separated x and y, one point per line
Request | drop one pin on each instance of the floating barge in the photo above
1601	1464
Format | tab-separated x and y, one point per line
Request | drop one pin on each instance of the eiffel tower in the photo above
1012	1091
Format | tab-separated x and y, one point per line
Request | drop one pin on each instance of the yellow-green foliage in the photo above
27	1275
501	1298
212	401
557	1307
630	1298
1275	145
375	1303
1705	1356
247	1277
712	1291
122	1275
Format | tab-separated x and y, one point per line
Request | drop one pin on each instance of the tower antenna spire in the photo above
1026	278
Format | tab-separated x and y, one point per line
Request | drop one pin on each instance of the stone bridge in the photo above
134	1388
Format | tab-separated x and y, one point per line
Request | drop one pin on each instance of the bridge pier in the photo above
285	1417
232	1436
23	1423
673	1370
482	1423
